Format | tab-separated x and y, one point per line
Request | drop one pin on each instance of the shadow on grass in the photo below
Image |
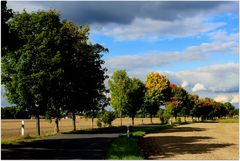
169	146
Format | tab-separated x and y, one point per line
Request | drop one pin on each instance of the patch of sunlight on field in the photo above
12	128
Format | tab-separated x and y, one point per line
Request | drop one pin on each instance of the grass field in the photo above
10	129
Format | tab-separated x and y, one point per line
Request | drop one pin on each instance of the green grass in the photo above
124	148
26	138
228	120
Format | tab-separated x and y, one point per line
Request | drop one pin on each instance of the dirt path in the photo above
206	141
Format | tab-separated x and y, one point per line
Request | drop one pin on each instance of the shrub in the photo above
107	117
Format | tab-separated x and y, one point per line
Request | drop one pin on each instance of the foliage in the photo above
106	117
53	66
119	85
180	101
157	93
6	15
14	112
165	114
230	108
135	97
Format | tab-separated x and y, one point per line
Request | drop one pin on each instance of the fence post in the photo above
22	128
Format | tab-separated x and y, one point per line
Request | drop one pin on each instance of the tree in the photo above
54	66
119	85
27	69
135	97
83	79
194	102
157	92
6	15
14	112
97	105
107	117
179	102
230	108
165	114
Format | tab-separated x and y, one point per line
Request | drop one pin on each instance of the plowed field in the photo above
207	141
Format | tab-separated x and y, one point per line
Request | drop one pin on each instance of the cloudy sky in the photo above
195	44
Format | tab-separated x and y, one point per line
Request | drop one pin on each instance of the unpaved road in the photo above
206	141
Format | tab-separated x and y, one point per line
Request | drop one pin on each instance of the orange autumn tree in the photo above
158	91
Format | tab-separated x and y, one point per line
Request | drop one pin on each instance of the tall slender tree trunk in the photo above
132	120
92	122
38	124
74	121
57	125
121	118
151	118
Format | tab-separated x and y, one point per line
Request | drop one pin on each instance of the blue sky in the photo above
195	43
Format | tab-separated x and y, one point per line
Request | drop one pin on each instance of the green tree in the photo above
194	102
107	117
135	97
119	85
83	78
6	15
179	101
230	108
158	91
54	67
26	70
97	105
14	112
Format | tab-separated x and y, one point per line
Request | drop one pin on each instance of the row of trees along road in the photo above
130	96
50	67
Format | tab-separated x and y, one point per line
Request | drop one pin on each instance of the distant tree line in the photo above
129	96
14	112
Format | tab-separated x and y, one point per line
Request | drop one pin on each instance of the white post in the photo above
128	131
22	128
170	121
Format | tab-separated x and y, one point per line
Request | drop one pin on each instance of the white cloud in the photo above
221	98
150	29
217	78
198	87
184	84
149	60
221	42
235	98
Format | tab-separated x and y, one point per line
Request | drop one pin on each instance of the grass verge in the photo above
124	148
26	138
228	120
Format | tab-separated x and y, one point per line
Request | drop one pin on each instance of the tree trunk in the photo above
121	118
132	120
38	124
184	118
92	122
142	120
74	121
151	119
175	118
57	125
